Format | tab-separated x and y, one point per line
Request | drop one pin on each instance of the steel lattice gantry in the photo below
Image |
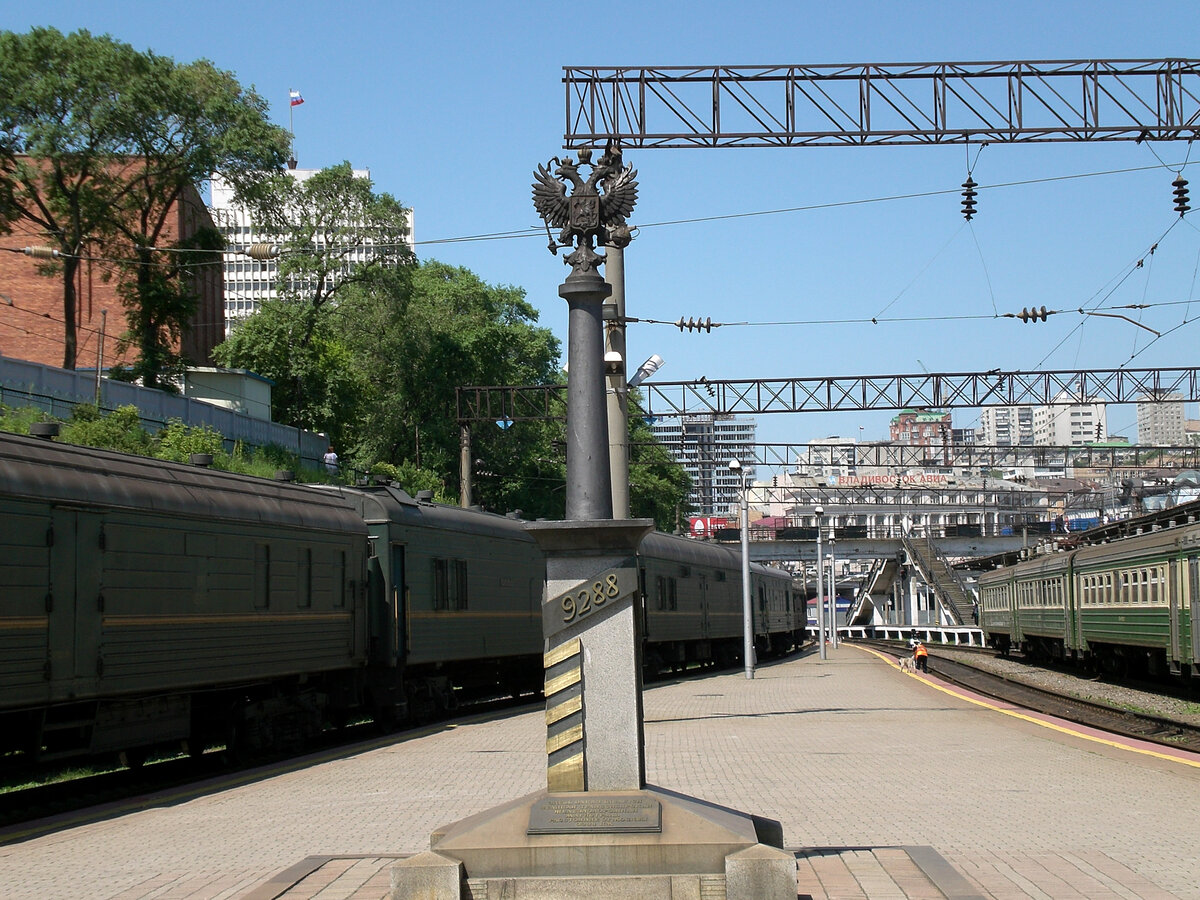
854	392
886	455
882	104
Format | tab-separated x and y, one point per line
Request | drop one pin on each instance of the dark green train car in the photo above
456	596
692	610
1126	605
1137	601
145	602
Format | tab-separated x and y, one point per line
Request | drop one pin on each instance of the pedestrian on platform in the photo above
331	462
921	658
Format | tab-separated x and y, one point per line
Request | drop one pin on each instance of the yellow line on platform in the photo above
954	692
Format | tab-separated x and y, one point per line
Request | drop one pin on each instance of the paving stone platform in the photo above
887	786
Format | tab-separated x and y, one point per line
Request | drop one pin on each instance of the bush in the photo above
413	479
18	419
177	442
120	430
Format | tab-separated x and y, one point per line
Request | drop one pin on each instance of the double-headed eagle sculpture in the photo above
587	214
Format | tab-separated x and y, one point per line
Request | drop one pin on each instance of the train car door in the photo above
702	580
1193	567
76	565
1174	589
398	601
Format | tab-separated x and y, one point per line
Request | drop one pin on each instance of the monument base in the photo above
700	850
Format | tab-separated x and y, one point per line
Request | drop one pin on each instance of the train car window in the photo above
660	591
460	584
672	594
262	576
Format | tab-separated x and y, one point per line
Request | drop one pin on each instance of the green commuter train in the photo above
1124	606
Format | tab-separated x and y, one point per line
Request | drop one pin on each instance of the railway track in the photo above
94	789
1134	723
97	787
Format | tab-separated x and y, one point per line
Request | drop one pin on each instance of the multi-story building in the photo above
830	456
929	428
1006	426
33	328
1067	424
1160	420
248	282
705	443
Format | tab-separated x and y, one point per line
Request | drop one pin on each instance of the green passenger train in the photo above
1125	606
146	603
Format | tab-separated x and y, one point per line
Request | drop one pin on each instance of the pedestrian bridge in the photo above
881	548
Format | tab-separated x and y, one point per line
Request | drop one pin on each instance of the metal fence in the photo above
58	391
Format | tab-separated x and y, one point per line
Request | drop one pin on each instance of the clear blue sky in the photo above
452	105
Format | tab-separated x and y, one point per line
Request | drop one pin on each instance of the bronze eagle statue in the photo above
595	210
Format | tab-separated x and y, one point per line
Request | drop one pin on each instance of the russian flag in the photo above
296	98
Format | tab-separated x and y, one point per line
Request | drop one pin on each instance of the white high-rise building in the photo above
704	444
1066	424
1161	423
1006	426
248	282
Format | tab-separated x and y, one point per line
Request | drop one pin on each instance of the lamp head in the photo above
646	369
735	466
819	510
613	363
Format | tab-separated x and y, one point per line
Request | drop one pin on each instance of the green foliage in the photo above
413	479
18	419
120	430
334	231
319	381
451	329
177	442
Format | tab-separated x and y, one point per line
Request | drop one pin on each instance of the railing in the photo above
59	391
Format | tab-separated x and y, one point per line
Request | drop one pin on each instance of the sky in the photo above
453	105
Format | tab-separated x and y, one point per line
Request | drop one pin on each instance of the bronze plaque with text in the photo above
595	814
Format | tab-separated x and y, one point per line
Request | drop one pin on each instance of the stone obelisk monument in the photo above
598	829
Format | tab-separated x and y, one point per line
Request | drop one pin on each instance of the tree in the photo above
453	330
98	142
61	124
187	121
340	242
319	384
334	231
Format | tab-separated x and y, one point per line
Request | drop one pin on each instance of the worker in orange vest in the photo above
921	657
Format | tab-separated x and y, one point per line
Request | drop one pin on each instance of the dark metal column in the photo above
589	483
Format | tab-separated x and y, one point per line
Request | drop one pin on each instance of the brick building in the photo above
31	305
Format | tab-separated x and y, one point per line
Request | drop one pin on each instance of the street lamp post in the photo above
747	617
833	636
820	586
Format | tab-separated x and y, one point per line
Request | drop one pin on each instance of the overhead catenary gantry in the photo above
895	457
882	103
948	390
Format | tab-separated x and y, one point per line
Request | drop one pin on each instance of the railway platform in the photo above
887	785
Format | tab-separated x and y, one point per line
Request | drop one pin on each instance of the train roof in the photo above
84	477
388	503
702	553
